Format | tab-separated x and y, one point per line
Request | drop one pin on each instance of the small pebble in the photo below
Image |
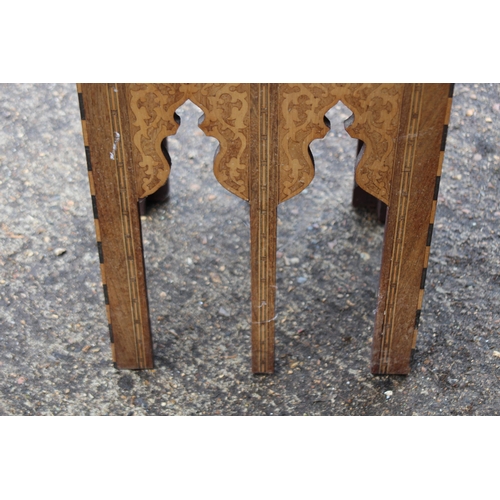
388	394
215	278
488	120
59	251
469	112
301	279
364	255
496	354
223	312
477	157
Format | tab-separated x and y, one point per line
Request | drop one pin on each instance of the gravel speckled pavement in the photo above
54	352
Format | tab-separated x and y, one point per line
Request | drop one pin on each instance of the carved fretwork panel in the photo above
375	120
302	109
226	117
152	118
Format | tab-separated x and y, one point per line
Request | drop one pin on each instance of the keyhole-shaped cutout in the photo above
204	287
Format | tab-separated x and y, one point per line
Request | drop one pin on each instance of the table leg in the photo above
362	199
118	227
263	221
410	218
160	196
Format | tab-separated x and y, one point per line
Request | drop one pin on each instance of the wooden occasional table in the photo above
264	131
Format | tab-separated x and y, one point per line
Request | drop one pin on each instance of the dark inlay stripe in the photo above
94	207
111	338
452	87
101	255
417	318
436	187
429	235
87	154
443	140
424	276
80	102
106	297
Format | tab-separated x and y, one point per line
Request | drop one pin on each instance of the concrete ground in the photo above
54	351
